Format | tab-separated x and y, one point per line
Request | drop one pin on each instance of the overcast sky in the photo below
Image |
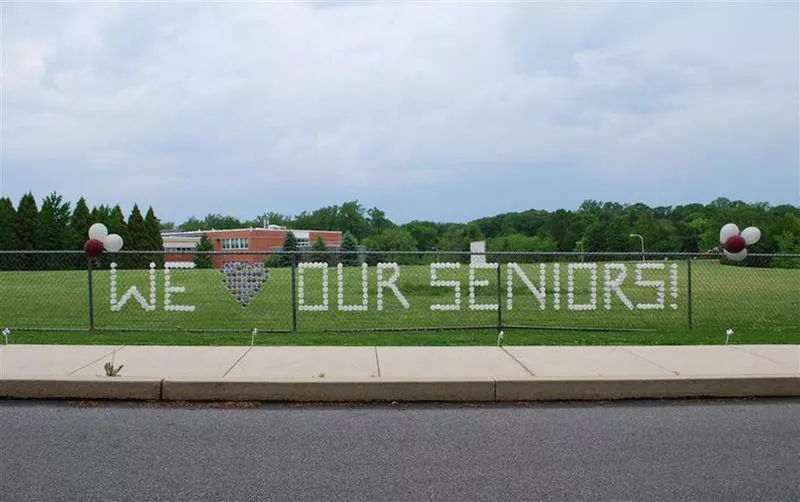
441	112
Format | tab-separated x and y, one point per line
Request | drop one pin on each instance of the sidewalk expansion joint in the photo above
517	361
112	353
780	363
649	361
237	361
377	361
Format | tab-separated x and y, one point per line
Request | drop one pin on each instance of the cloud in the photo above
241	108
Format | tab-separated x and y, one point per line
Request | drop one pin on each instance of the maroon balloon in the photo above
93	248
734	244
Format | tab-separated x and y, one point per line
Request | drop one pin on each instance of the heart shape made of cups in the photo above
244	280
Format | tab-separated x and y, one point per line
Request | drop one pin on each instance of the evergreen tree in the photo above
103	214
201	260
153	241
8	235
79	224
28	231
117	225
27	226
54	223
319	249
137	239
153	230
350	249
8	216
289	244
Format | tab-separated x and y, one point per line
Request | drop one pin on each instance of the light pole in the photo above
580	246
641	239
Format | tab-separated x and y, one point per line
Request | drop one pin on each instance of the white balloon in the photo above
728	231
741	255
113	243
98	231
751	235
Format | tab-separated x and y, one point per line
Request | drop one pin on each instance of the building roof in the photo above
272	228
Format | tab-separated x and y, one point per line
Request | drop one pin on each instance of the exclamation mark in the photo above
556	286
673	285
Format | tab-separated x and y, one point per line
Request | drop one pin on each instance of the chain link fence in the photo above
391	291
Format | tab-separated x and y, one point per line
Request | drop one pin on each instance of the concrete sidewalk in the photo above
290	373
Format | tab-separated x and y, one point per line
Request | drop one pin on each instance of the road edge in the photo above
478	389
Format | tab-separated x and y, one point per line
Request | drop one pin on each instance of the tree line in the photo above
56	225
593	227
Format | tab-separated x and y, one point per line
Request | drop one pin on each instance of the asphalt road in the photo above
672	450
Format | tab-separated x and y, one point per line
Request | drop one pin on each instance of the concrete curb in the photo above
74	387
331	390
399	389
542	389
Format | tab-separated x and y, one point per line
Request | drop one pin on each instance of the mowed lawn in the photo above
762	305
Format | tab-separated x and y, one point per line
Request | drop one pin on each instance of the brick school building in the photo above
178	246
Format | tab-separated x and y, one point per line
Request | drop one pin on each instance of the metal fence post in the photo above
499	297
91	294
689	290
294	292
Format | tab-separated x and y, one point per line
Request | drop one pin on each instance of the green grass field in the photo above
762	305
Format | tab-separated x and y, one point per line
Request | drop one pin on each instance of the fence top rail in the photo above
632	254
41	251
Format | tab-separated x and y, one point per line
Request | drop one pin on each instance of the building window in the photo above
178	250
302	242
235	243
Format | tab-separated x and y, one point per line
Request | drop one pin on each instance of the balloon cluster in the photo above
100	239
735	242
